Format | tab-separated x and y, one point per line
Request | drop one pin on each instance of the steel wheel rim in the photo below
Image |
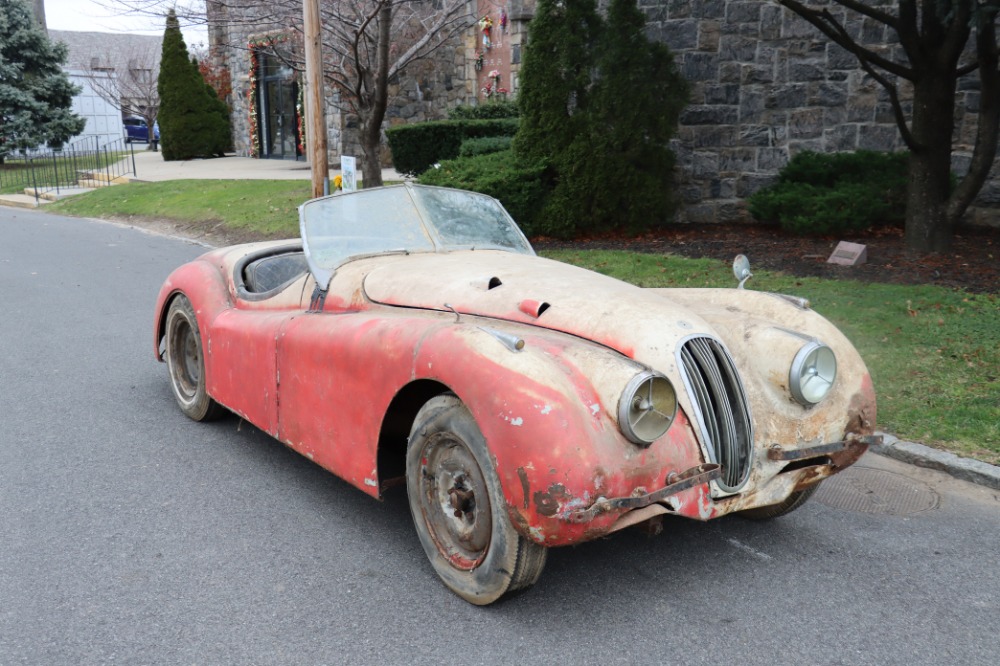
185	358
454	501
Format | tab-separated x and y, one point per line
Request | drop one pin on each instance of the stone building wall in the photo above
767	85
425	91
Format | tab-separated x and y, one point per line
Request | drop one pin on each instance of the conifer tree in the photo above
599	103
190	123
556	76
36	95
636	106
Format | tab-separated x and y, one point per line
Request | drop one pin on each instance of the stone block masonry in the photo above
767	85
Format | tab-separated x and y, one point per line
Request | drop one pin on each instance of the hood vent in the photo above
533	308
722	410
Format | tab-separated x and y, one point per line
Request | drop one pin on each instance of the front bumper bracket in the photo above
676	483
776	452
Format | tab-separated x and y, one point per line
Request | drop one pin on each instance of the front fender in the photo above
202	283
548	415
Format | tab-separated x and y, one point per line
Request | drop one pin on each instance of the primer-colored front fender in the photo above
553	436
201	283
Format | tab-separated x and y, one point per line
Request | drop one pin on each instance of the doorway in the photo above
277	94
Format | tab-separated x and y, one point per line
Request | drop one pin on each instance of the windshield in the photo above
402	218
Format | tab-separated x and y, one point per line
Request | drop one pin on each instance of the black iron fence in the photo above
82	163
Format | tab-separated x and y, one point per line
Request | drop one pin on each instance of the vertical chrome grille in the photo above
721	405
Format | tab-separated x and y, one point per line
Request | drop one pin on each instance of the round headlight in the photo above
813	372
647	408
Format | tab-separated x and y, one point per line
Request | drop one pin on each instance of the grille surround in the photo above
721	409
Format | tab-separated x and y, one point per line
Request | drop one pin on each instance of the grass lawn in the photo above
267	207
934	353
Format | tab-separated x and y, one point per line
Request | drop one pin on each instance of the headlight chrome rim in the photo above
813	373
647	408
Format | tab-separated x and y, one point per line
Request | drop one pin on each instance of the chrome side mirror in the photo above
741	269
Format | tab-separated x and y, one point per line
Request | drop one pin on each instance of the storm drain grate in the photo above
876	491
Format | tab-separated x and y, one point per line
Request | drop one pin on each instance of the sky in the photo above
90	15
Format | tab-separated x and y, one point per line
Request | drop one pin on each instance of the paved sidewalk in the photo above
149	166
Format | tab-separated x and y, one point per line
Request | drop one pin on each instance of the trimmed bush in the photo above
486	111
485	145
522	188
600	102
193	121
833	193
416	147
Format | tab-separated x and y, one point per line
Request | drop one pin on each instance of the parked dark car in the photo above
136	129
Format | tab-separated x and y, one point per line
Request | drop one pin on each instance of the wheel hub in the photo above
455	503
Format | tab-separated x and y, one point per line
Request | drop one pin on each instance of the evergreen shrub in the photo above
193	121
829	193
417	147
487	111
600	102
521	187
485	145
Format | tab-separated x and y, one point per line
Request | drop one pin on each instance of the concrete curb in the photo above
966	469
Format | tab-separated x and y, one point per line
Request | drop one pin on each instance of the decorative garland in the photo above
300	117
253	46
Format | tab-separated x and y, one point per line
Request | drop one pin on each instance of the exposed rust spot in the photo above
525	488
547	502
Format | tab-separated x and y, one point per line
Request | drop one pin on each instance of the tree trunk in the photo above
928	225
371	127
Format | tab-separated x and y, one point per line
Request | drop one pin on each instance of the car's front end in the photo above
631	403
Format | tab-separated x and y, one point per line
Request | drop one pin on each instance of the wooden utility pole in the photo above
316	118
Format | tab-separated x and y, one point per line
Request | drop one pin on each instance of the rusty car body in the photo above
413	336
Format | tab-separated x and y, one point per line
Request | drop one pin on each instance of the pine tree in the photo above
556	76
35	93
599	103
190	122
637	103
222	136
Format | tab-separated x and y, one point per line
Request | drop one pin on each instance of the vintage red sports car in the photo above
412	336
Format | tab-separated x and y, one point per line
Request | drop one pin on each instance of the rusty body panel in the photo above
321	376
322	381
413	337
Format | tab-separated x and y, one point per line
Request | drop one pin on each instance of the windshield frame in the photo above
424	229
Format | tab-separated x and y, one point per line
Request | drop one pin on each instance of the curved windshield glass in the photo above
403	218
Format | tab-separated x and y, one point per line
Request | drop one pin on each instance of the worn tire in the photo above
186	363
791	503
459	510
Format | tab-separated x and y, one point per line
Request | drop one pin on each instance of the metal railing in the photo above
85	160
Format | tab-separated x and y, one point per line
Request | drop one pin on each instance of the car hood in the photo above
762	332
540	292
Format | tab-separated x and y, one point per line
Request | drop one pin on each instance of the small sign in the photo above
848	254
348	174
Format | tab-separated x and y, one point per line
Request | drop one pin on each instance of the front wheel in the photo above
459	510
791	503
186	363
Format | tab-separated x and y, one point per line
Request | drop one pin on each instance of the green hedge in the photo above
521	188
416	147
488	110
485	145
835	192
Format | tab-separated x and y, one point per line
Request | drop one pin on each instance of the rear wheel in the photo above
186	363
791	503
459	510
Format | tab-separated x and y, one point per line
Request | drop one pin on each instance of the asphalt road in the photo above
130	535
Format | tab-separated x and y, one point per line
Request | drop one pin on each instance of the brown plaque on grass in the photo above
848	254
